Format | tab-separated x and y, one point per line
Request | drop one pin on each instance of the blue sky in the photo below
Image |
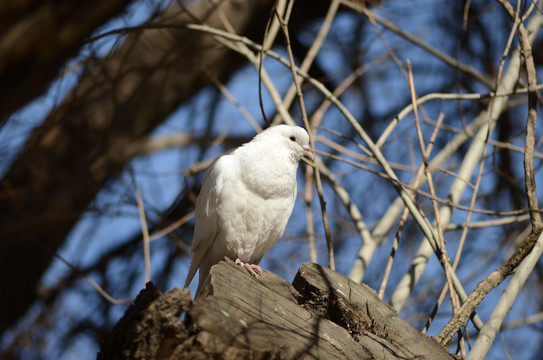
158	175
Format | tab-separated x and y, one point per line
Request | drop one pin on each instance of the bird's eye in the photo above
293	138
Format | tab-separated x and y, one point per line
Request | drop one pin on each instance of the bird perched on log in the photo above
246	200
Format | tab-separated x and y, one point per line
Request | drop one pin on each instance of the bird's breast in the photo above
269	180
251	223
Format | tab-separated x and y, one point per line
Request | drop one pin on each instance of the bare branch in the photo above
488	332
145	233
472	158
331	261
413	39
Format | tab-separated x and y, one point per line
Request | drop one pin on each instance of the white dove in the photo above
246	200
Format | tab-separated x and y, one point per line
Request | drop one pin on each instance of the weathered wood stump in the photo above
322	315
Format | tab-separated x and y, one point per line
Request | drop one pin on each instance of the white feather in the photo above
246	199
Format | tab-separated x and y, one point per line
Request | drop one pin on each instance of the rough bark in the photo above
322	315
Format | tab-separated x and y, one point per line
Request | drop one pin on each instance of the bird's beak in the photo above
308	153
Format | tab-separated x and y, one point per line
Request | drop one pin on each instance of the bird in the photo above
245	201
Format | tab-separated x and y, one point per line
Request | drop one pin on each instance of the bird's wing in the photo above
207	220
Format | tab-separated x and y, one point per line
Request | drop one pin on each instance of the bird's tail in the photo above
192	271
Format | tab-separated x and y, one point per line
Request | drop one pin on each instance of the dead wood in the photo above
322	315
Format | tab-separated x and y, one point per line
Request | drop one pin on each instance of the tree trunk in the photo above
117	101
38	37
322	315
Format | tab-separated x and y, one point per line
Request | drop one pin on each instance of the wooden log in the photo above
357	308
323	316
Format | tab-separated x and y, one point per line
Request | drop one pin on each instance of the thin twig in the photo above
471	159
265	41
310	226
497	144
413	39
417	179
488	223
427	195
496	277
96	287
444	258
311	53
441	241
168	229
345	199
145	232
360	157
391	256
479	177
331	261
287	101
223	89
440	96
488	332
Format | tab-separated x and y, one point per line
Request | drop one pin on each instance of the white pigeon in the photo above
246	200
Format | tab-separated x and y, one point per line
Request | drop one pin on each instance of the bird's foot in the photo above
253	269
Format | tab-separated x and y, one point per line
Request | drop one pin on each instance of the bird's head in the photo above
295	137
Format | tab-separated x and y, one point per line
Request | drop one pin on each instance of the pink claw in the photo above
253	269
